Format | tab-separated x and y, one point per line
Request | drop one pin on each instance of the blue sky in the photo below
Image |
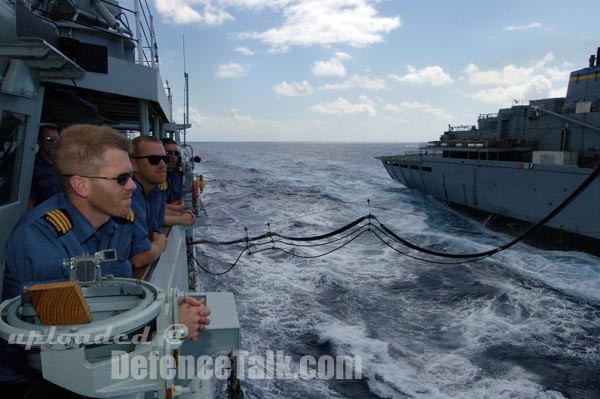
359	70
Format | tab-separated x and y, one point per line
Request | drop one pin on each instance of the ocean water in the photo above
522	324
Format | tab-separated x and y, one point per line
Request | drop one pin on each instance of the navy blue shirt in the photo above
149	209
44	237
175	184
36	249
44	183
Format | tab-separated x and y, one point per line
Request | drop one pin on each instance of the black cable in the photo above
322	244
268	235
418	258
328	235
220	273
311	257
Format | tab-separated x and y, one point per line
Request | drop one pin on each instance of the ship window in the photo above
425	168
404	165
12	137
414	167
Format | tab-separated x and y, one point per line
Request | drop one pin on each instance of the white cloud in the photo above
521	83
232	121
509	74
433	75
331	67
238	119
342	56
326	22
357	82
418	108
184	12
304	22
231	70
341	106
533	25
293	89
244	51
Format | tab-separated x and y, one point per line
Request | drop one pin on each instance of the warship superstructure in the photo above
94	61
521	162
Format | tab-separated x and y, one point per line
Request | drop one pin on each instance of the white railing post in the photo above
138	32
153	48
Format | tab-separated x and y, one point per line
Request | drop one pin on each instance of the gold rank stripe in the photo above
59	220
131	216
164	186
576	78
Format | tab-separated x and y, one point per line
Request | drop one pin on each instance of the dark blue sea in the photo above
522	324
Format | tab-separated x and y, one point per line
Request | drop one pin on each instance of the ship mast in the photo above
186	99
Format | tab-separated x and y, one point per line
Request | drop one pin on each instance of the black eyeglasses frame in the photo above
155	159
121	179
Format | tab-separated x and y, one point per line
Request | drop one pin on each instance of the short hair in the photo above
80	150
143	139
47	126
167	140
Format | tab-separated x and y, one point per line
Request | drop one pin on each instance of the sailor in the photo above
175	174
148	202
44	183
93	214
175	212
89	216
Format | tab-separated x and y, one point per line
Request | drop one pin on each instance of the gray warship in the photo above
95	61
517	165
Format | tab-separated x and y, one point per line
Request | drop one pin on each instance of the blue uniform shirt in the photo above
149	209
39	244
44	237
175	184
44	183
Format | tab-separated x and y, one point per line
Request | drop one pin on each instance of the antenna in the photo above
170	98
186	99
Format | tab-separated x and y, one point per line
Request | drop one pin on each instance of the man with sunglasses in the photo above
174	176
88	216
93	213
149	162
44	183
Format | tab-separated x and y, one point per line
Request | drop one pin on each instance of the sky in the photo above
361	70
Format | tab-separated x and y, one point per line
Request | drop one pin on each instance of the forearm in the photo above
183	219
144	258
177	206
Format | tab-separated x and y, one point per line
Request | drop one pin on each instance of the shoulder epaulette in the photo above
60	220
130	217
164	186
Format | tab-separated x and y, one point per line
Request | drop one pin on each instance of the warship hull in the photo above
518	190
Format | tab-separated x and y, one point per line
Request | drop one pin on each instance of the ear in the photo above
80	186
134	164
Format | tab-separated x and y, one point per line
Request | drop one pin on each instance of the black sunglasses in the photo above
122	179
155	159
170	152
